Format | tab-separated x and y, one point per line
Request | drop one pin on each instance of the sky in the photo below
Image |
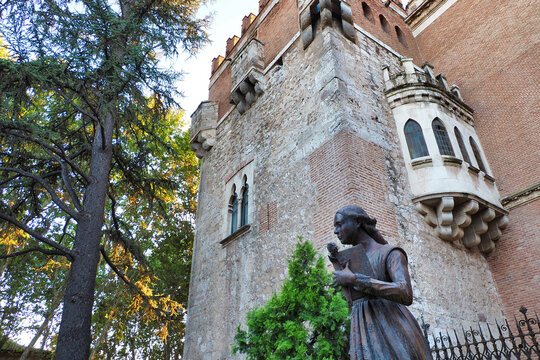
226	21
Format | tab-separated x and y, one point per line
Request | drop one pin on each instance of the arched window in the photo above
233	210
462	147
400	36
443	141
415	140
477	155
244	206
367	12
384	23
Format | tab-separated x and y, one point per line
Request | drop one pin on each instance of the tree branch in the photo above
47	186
68	253
125	279
37	248
61	154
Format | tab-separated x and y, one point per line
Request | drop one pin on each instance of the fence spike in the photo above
458	344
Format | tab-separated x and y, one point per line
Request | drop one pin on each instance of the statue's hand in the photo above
344	277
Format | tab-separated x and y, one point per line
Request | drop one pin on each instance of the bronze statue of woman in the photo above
381	325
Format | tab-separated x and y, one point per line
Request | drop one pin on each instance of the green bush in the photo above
307	320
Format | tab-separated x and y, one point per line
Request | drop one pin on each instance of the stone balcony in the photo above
456	198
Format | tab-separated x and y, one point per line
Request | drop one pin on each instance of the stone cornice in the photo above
522	197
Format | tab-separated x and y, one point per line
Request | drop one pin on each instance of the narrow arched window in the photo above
443	141
384	23
367	11
415	140
233	210
400	36
244	206
477	155
462	147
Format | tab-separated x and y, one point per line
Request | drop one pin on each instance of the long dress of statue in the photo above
381	325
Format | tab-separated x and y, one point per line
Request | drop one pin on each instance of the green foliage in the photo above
307	320
78	79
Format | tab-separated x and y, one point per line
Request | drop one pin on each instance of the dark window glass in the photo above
462	147
477	155
245	198
443	141
415	140
400	36
384	23
367	12
233	208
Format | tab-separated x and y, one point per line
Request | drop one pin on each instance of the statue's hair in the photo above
366	222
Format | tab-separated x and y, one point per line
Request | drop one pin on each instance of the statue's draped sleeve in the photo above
398	289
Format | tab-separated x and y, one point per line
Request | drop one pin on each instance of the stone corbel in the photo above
493	234
203	142
469	221
305	26
309	14
479	225
247	91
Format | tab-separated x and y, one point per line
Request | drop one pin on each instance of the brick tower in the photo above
324	103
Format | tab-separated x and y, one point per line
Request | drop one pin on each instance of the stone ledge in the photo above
422	162
235	235
522	197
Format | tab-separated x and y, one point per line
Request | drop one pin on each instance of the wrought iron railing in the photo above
499	341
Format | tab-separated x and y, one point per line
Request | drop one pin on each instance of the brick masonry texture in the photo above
491	49
321	136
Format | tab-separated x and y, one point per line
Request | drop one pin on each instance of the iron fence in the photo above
515	340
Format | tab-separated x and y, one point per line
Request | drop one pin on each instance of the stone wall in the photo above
321	136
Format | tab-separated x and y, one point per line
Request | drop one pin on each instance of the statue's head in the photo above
363	221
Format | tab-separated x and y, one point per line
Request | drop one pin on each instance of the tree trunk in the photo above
74	338
56	302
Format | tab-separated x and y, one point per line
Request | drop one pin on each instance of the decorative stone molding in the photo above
328	11
410	86
248	90
471	220
203	128
522	197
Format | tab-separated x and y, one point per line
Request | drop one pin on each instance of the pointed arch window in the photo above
477	156
443	141
400	36
462	147
244	206
233	210
384	23
367	11
415	140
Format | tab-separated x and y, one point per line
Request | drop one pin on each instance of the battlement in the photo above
258	47
426	85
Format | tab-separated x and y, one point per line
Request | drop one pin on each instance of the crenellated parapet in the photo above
412	86
449	176
203	128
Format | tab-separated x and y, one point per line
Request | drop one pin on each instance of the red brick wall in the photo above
390	38
220	92
348	170
490	49
278	28
514	262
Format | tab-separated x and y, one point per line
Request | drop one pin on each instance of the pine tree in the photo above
307	320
